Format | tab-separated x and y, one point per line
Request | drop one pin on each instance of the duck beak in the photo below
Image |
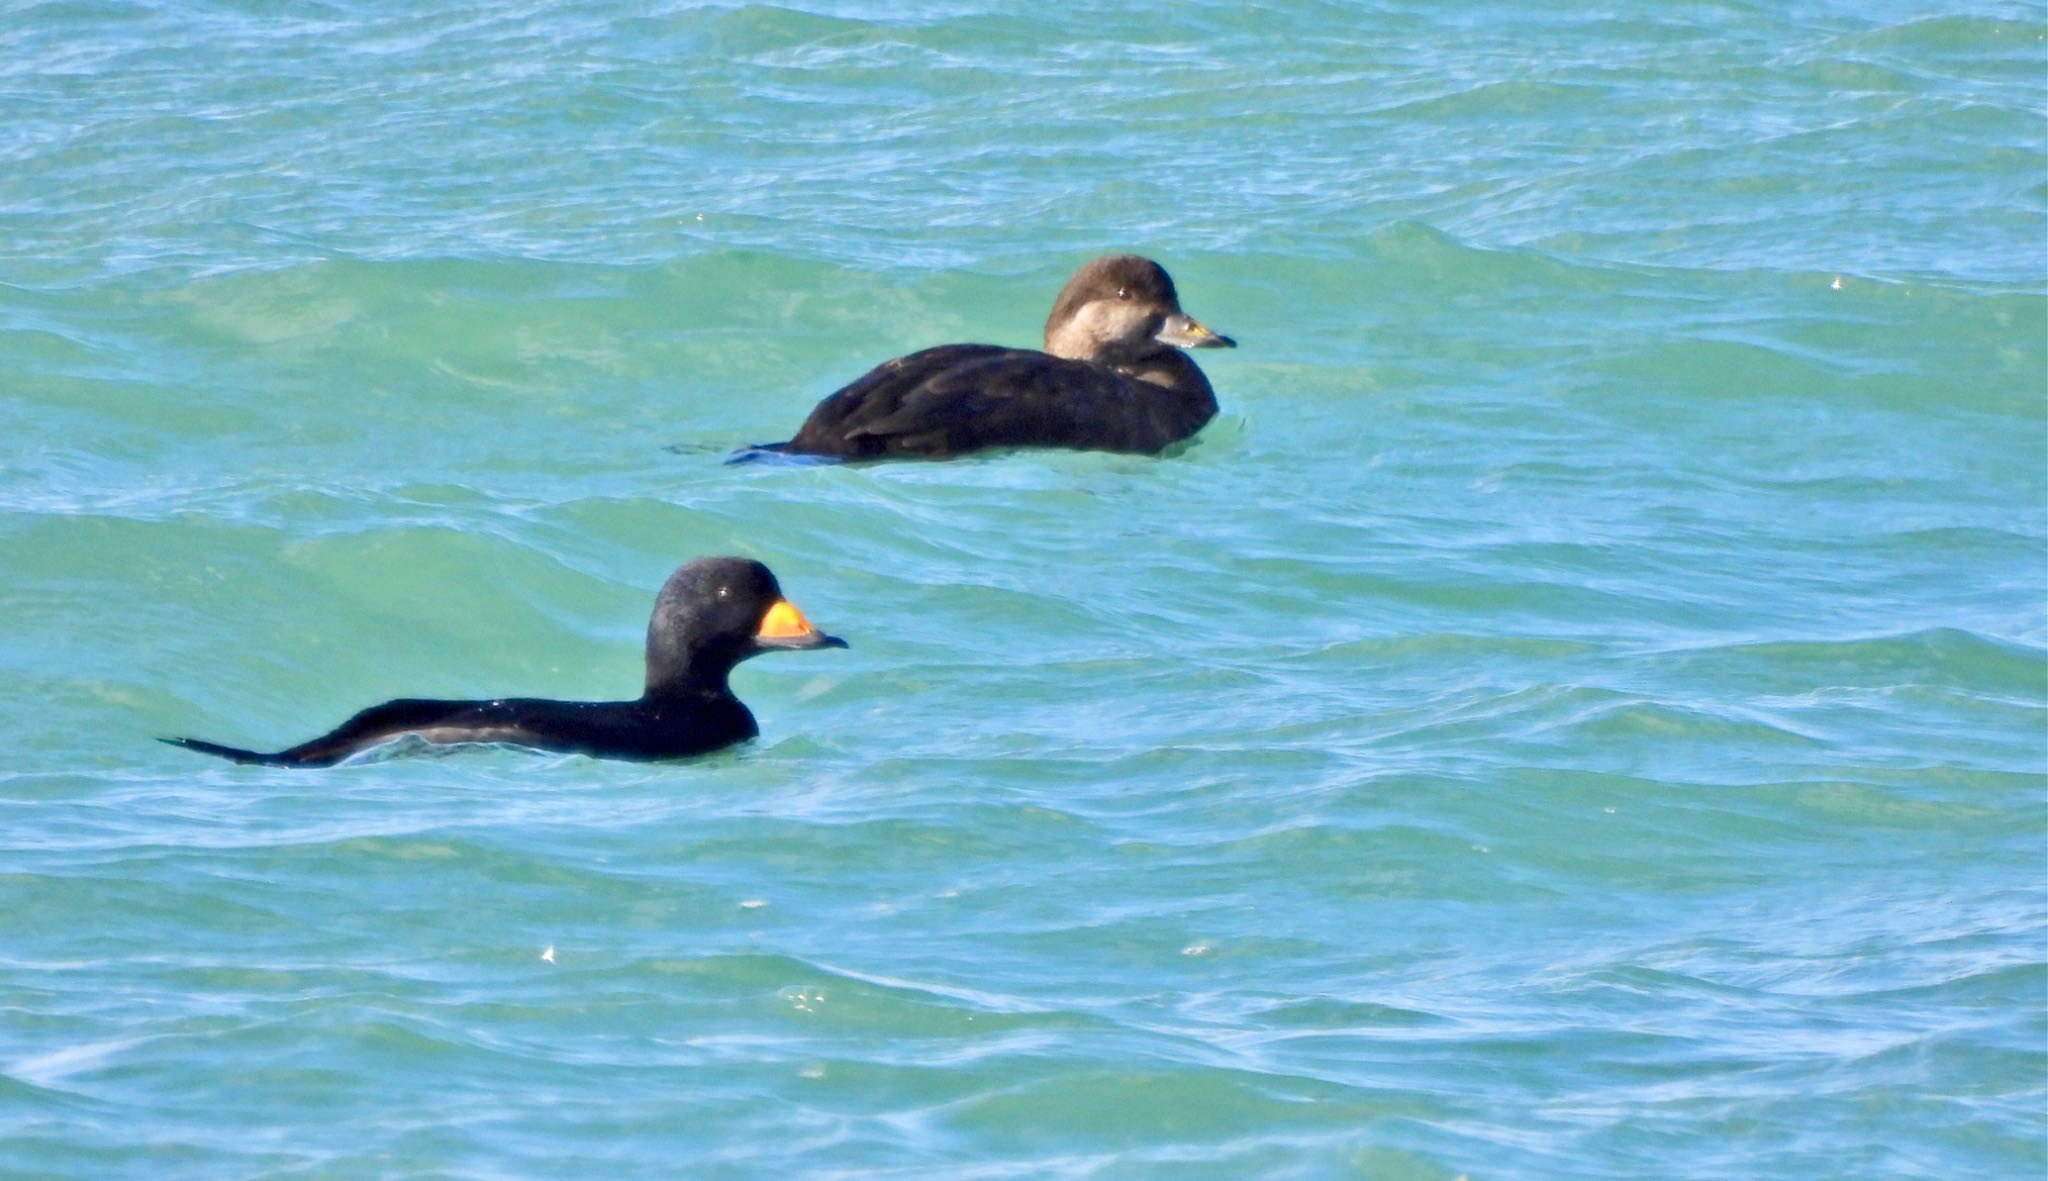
1183	331
783	626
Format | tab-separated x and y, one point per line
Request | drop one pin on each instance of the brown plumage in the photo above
1112	377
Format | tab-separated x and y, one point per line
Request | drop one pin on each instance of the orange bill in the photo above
784	622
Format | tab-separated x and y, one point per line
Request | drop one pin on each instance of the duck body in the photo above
960	398
653	728
1111	377
711	614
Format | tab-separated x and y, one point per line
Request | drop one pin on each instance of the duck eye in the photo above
725	592
1123	293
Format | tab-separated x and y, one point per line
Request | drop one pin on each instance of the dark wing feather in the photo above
960	398
609	729
374	727
382	723
842	424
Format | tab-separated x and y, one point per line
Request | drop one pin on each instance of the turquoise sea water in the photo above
1578	712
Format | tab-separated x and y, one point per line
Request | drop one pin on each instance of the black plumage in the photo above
711	614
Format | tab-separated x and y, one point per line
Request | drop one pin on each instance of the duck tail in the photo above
756	452
777	453
236	753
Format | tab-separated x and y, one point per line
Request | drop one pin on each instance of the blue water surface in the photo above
1579	711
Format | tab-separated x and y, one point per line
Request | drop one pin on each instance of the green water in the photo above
1578	711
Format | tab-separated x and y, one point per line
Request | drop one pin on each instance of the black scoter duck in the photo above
1112	377
711	614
